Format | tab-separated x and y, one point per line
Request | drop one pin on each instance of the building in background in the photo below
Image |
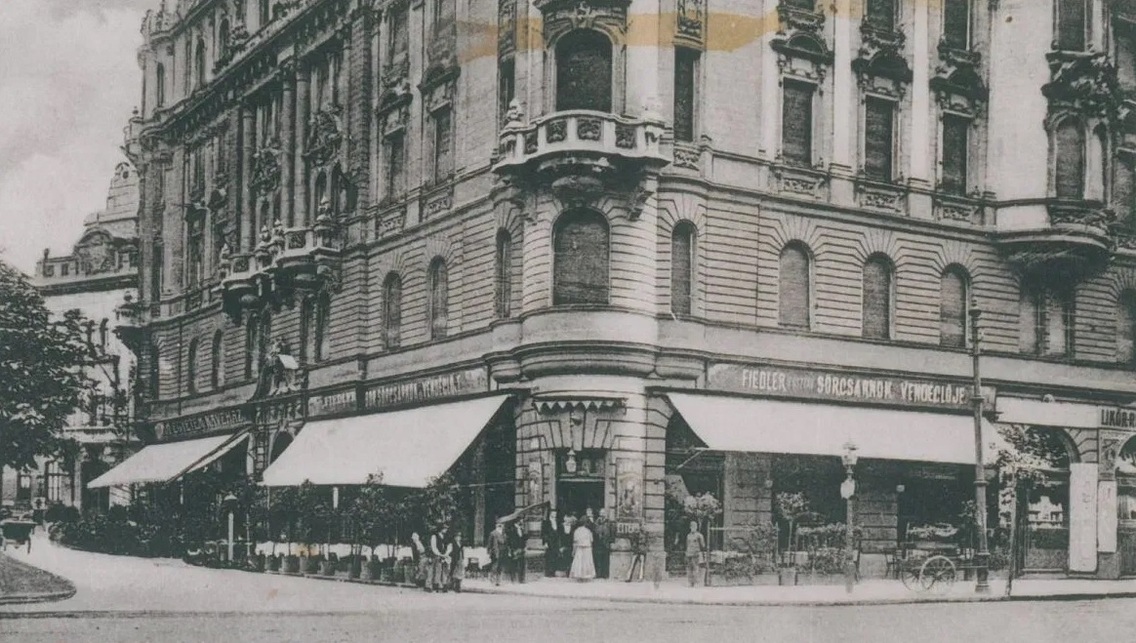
611	252
99	274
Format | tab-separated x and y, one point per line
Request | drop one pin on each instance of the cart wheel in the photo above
937	574
909	574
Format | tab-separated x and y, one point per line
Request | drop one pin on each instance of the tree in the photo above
42	379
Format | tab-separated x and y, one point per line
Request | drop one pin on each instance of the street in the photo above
130	599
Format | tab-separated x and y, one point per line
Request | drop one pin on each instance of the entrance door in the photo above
580	480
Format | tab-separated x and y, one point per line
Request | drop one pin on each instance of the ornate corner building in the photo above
97	278
602	253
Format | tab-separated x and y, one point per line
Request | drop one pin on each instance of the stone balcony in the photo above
1076	238
580	142
287	261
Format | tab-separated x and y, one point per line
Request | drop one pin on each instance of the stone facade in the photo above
403	188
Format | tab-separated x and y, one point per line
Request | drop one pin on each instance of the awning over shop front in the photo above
407	447
772	426
164	462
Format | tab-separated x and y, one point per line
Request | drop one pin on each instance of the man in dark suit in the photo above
550	536
515	536
601	549
498	547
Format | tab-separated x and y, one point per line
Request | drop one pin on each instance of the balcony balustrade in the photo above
1078	238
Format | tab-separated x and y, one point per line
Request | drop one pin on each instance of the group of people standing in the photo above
579	547
440	562
507	551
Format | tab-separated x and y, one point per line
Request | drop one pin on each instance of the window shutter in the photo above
1069	170
881	14
684	96
682	247
956	24
580	273
793	288
878	141
583	72
797	123
956	138
877	299
952	310
1071	25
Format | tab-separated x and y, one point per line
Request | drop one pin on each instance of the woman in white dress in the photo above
583	565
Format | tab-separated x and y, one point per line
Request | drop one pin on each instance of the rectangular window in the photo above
23	487
956	24
443	144
685	93
881	14
399	33
956	145
797	123
396	160
506	87
156	273
1071	24
879	142
65	270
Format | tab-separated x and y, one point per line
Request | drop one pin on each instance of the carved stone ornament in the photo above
687	157
325	135
880	198
506	27
800	34
266	167
391	223
96	255
691	18
562	16
1085	83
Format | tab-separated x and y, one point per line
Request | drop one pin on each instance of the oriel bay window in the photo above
685	93
1069	160
797	123
580	258
583	71
956	148
879	138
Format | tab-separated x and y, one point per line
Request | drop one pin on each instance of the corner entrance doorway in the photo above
580	477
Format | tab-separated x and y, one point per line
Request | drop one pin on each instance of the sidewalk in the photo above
870	592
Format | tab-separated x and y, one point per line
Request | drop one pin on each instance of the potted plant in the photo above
789	507
274	563
328	565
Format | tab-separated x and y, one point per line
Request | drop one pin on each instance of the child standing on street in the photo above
695	546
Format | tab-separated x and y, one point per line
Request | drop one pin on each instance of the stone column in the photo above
248	202
303	115
288	143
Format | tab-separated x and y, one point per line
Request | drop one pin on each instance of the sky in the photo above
69	79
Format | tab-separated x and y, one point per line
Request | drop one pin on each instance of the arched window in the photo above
953	307
682	267
323	322
307	323
218	362
794	287
1126	328
877	297
199	63
504	276
392	309
437	283
191	367
580	258
583	71
187	79
1069	160
160	85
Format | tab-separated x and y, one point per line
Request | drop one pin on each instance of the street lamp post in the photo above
847	491
982	556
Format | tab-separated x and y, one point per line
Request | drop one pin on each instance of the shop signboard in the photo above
1112	417
331	403
1107	519
1082	517
814	384
421	389
214	422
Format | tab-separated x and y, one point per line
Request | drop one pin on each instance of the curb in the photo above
46	597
